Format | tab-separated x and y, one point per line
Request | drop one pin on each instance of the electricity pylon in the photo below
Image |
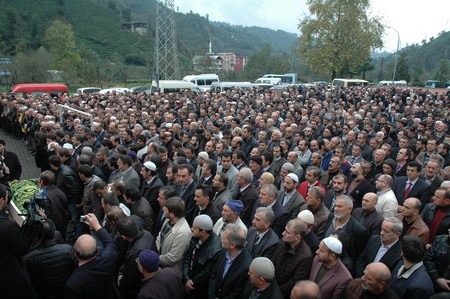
166	65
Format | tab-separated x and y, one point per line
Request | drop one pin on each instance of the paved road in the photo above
29	169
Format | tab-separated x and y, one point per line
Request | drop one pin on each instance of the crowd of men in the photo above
312	193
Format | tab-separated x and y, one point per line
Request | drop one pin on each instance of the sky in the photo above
414	20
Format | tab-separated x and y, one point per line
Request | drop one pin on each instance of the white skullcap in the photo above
307	216
263	267
68	146
293	176
333	244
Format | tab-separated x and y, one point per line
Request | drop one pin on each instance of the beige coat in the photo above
175	245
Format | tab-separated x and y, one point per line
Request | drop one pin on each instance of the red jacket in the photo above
303	188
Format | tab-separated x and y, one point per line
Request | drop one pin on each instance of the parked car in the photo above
115	90
82	90
139	88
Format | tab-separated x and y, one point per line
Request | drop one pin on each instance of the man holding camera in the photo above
94	276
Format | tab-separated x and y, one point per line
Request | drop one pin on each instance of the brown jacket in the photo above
418	228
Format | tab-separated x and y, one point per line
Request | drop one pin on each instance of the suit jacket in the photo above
151	192
271	292
358	192
248	197
280	217
435	184
266	245
328	200
390	258
295	204
221	199
421	190
401	171
158	223
188	198
233	283
275	167
231	173
131	177
357	236
210	210
360	159
333	283
372	221
204	181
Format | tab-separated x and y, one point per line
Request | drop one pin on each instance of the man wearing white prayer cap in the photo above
327	269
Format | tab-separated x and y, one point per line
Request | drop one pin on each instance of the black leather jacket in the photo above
69	183
437	259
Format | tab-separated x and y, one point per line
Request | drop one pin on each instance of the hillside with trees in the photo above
416	63
100	50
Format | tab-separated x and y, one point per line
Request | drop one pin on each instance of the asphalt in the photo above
29	169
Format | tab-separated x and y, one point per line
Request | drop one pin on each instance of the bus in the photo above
436	84
203	81
289	78
40	88
349	83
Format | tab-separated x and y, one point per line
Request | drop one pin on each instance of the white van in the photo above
267	82
349	82
177	86
223	86
203	81
393	83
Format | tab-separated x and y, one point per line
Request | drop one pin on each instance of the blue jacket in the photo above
415	285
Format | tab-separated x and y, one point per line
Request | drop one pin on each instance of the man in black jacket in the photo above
94	276
50	264
151	185
69	183
129	279
57	207
228	280
11	161
200	258
387	251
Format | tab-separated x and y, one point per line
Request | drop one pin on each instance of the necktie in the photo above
182	191
255	294
286	199
333	202
352	160
408	189
398	168
257	238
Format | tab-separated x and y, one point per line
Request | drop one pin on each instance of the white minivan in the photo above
176	86
203	81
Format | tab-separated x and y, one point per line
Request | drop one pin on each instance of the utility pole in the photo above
396	53
166	65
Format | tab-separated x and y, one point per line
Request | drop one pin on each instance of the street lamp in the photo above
396	53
